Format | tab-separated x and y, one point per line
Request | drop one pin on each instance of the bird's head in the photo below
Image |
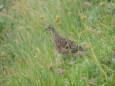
49	27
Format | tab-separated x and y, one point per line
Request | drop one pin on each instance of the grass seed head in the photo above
42	17
88	4
61	71
58	18
98	32
113	53
51	66
3	54
84	17
102	4
113	25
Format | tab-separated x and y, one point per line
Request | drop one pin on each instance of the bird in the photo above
64	46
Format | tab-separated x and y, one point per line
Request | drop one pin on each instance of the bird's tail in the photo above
80	48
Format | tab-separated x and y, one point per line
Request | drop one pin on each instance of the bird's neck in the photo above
55	34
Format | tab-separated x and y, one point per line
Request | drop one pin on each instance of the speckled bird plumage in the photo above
63	45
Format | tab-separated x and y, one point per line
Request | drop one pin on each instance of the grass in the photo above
27	56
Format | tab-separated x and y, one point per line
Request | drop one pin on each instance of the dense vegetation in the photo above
27	55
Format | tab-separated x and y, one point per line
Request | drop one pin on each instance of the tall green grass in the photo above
27	52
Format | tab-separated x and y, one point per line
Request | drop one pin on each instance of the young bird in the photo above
64	46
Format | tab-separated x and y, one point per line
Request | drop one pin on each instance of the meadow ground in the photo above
27	55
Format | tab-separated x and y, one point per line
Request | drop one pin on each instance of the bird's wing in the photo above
66	46
74	47
62	46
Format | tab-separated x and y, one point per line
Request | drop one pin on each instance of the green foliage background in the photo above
26	50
